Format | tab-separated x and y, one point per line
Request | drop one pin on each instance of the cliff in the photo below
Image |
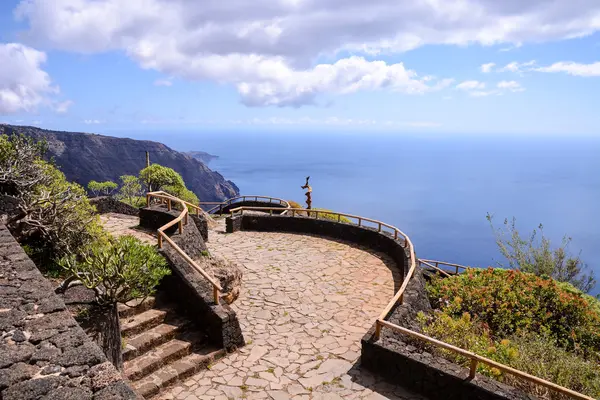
202	156
84	157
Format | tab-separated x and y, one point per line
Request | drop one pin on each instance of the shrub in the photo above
53	216
119	271
331	217
102	188
131	190
183	193
532	353
536	255
509	301
156	177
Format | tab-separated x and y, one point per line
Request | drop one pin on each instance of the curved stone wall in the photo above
364	236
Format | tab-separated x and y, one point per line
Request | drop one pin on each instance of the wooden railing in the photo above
181	220
381	322
241	199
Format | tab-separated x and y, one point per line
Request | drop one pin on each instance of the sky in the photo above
457	66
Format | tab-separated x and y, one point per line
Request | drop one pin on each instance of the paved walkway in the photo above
304	306
120	224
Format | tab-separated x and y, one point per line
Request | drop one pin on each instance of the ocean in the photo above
436	188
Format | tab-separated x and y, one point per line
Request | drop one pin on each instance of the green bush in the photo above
131	191
102	188
183	193
533	353
331	217
156	177
509	301
54	217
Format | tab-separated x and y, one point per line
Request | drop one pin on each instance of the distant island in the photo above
201	155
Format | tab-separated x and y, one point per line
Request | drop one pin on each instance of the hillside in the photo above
84	157
202	156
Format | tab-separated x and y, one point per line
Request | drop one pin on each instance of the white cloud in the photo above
163	82
470	85
512	86
92	121
573	68
63	107
487	68
518	67
267	48
23	84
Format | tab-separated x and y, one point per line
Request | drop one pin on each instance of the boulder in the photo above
227	273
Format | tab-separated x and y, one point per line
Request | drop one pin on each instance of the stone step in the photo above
178	370
138	323
135	307
145	341
160	356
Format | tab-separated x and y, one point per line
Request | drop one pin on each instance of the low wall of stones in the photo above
365	236
187	287
44	354
401	359
258	203
107	204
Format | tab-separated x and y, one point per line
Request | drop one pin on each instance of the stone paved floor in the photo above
304	306
120	224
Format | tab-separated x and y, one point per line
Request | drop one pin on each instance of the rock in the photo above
33	389
17	373
115	391
69	393
228	274
86	354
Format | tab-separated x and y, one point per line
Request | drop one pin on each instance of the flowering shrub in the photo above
508	302
528	352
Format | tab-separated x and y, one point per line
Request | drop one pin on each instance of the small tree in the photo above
156	177
102	188
535	254
51	212
131	190
120	271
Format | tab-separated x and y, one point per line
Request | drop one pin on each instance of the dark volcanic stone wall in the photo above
106	204
44	354
193	292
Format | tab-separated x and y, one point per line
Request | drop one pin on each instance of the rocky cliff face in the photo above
84	157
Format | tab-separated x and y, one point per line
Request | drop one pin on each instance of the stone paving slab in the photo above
304	306
121	224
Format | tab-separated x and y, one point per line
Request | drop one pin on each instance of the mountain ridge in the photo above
83	157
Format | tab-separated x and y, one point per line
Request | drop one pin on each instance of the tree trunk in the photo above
111	336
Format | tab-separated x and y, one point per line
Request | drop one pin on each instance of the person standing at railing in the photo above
308	193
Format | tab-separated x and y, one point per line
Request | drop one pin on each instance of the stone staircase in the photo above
161	346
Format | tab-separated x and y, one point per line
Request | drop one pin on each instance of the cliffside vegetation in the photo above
323	213
535	317
51	216
119	271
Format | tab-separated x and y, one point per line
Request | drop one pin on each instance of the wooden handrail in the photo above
475	359
181	219
398	297
441	271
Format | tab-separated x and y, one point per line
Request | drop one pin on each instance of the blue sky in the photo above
414	66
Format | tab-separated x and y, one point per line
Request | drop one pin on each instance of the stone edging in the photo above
43	351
